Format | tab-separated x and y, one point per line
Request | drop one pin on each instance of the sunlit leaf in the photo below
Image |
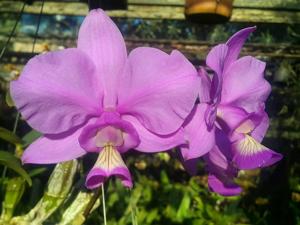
12	162
9	136
9	100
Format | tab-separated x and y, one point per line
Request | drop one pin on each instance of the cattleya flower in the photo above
96	99
232	106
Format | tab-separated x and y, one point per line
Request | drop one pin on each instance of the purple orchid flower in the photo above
232	106
96	99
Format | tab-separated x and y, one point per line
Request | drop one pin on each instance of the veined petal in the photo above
231	118
158	89
57	91
54	149
151	142
200	139
250	154
228	188
205	85
109	128
109	163
260	130
235	44
216	58
102	41
244	84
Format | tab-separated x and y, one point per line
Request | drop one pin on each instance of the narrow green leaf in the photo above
30	137
9	100
9	136
37	171
13	163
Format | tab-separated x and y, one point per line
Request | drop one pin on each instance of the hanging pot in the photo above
208	11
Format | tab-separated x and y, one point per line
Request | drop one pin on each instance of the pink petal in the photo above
57	91
236	42
226	189
109	128
229	118
158	89
260	131
205	85
200	139
151	142
102	41
54	149
191	166
250	154
109	163
244	84
216	58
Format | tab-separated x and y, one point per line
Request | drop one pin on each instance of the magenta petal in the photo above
102	41
57	91
151	142
128	134
260	130
98	176
109	163
54	149
230	118
244	84
236	42
222	188
205	85
250	154
200	139
191	165
216	58
158	89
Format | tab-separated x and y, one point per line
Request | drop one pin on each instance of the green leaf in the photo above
37	171
13	163
9	100
30	137
9	136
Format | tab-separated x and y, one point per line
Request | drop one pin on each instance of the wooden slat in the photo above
196	51
155	12
275	4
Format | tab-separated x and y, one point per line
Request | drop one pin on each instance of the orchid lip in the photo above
109	163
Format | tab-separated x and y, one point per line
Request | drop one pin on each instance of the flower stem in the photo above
132	209
103	204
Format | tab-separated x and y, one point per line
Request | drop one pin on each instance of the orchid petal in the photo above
250	154
200	138
151	142
102	41
260	131
216	58
191	165
54	149
109	128
109	163
205	85
226	189
235	44
57	91
230	118
244	84
158	89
